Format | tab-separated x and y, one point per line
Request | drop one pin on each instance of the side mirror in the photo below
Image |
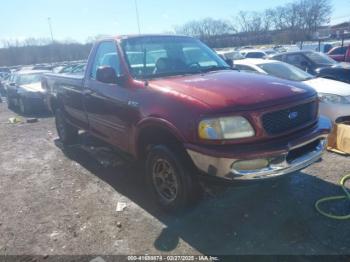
106	74
229	62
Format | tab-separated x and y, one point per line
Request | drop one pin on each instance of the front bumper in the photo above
284	156
36	100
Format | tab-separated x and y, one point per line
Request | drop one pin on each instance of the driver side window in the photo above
296	60
106	55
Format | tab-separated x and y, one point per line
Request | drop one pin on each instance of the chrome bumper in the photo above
223	167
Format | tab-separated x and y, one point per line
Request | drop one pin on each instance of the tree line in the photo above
37	51
292	22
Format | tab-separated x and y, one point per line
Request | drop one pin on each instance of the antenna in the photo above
137	16
50	27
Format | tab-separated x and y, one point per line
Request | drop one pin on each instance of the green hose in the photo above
332	198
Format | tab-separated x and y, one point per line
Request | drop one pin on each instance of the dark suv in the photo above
317	64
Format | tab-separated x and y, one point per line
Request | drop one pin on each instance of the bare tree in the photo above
207	27
315	13
243	21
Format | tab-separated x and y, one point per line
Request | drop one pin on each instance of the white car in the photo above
253	53
334	95
230	54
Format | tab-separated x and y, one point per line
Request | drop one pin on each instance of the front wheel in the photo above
173	184
67	133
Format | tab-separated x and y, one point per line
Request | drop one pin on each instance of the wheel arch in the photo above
154	131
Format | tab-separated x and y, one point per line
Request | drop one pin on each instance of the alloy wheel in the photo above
165	180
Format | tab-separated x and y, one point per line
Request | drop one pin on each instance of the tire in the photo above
67	133
171	181
24	106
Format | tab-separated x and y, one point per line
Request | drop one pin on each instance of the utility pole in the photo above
137	16
50	27
51	46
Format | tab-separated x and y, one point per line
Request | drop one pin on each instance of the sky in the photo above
79	19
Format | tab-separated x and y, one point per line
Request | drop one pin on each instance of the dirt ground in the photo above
57	202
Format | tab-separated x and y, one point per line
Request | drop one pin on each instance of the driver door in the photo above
106	104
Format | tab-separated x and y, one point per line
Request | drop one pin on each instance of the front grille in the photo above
291	118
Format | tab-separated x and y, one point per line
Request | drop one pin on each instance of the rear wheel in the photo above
67	133
171	178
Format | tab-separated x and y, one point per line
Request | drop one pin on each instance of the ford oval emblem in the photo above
293	115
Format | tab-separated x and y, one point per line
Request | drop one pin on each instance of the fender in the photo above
154	122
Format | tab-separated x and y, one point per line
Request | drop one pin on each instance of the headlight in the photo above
334	99
225	128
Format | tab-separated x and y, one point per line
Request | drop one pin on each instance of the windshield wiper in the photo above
179	73
215	68
192	72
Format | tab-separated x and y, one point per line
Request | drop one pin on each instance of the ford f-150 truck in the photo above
173	103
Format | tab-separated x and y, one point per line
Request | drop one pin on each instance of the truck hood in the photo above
323	85
34	87
234	89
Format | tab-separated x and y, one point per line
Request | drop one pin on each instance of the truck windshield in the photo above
157	56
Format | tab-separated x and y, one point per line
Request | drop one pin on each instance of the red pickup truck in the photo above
173	103
340	53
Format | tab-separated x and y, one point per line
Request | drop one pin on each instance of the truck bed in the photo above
53	82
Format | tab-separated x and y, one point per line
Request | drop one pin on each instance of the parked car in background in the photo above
340	53
47	67
3	79
317	64
15	68
3	75
270	51
24	91
78	69
230	54
58	68
334	95
246	47
253	53
5	70
184	112
279	48
290	48
323	47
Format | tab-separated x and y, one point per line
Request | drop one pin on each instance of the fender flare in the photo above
155	122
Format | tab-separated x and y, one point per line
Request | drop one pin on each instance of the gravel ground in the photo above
63	202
